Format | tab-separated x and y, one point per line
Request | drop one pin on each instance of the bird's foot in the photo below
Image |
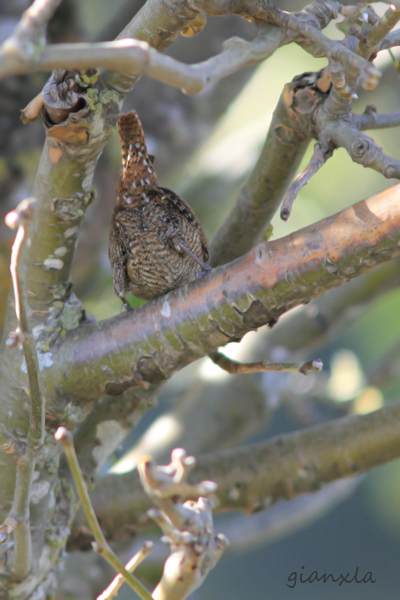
126	307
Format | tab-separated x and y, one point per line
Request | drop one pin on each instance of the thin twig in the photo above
64	436
234	368
322	151
22	218
18	518
338	74
112	590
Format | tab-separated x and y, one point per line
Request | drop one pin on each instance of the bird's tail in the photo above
132	139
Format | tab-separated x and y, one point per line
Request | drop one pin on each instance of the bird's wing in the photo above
188	213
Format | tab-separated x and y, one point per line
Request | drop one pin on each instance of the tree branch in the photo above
28	38
367	73
112	590
188	526
155	340
18	518
251	477
322	151
138	58
212	416
378	31
370	119
65	437
391	40
284	148
235	368
23	219
262	192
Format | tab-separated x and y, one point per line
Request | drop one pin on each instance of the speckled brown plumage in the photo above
156	241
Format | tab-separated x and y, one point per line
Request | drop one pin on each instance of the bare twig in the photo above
18	518
28	38
112	590
368	74
379	31
362	149
322	151
65	437
235	368
22	218
370	119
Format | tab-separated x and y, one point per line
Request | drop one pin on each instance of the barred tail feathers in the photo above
137	167
131	136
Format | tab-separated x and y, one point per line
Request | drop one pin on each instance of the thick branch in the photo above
310	326
283	467
155	340
262	192
214	416
287	140
379	30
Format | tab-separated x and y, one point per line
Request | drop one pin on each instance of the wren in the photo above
156	241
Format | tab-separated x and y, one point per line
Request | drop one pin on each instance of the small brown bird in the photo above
156	241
